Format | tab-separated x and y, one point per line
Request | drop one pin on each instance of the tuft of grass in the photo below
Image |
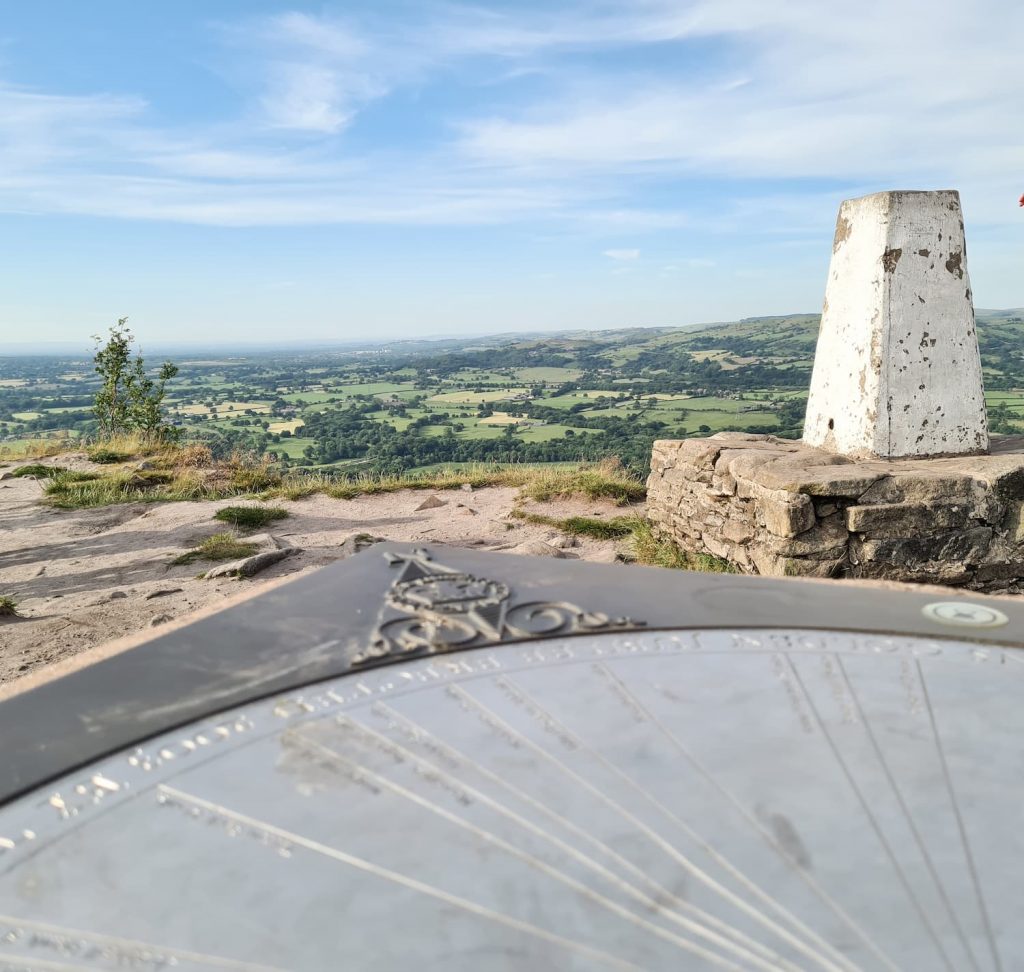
583	526
188	473
130	445
104	455
250	517
40	449
655	551
194	456
605	480
8	607
221	546
647	547
38	470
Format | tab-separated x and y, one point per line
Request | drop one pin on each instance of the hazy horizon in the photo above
262	172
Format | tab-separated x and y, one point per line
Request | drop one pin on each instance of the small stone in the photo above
116	595
431	503
786	514
248	566
163	592
538	548
159	619
358	542
466	487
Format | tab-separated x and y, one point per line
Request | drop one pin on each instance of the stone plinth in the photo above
897	371
778	507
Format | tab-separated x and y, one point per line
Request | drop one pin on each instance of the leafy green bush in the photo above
8	606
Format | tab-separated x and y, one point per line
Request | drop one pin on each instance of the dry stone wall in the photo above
778	507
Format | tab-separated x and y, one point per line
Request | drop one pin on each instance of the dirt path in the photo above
84	577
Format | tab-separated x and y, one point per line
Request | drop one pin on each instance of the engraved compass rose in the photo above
431	608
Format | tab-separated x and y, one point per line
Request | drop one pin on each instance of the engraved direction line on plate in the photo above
750	952
535	862
665	845
828	950
872	820
517	740
755	824
961	827
16	963
395	877
137	951
660	892
908	816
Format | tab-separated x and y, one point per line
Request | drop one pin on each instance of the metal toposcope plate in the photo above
689	799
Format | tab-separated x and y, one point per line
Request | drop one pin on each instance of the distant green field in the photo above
545	433
470	397
291	447
548	375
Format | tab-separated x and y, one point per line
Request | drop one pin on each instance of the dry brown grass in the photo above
189	472
42	449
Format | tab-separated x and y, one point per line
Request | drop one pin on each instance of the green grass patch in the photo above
105	456
655	551
603	480
582	526
221	546
74	491
8	606
250	517
40	471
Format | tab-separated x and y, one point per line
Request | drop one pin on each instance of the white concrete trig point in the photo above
897	371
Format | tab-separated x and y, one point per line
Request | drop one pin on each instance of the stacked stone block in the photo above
778	507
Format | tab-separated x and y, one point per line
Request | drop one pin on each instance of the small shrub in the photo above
250	517
221	546
8	606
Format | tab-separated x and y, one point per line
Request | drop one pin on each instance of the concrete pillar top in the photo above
897	372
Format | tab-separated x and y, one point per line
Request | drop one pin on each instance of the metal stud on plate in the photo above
963	615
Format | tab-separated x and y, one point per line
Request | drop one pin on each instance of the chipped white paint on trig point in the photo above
897	371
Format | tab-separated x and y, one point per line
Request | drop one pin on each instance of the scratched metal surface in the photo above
692	800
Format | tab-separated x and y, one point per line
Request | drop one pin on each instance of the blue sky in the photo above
258	171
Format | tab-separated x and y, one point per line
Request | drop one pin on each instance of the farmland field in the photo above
557	400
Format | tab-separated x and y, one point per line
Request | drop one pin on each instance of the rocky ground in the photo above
84	577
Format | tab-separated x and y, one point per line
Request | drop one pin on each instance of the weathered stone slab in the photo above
801	511
906	519
952	547
897	370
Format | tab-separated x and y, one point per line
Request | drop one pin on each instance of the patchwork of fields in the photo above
548	400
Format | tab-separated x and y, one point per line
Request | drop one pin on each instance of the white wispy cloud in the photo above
622	254
792	92
826	93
